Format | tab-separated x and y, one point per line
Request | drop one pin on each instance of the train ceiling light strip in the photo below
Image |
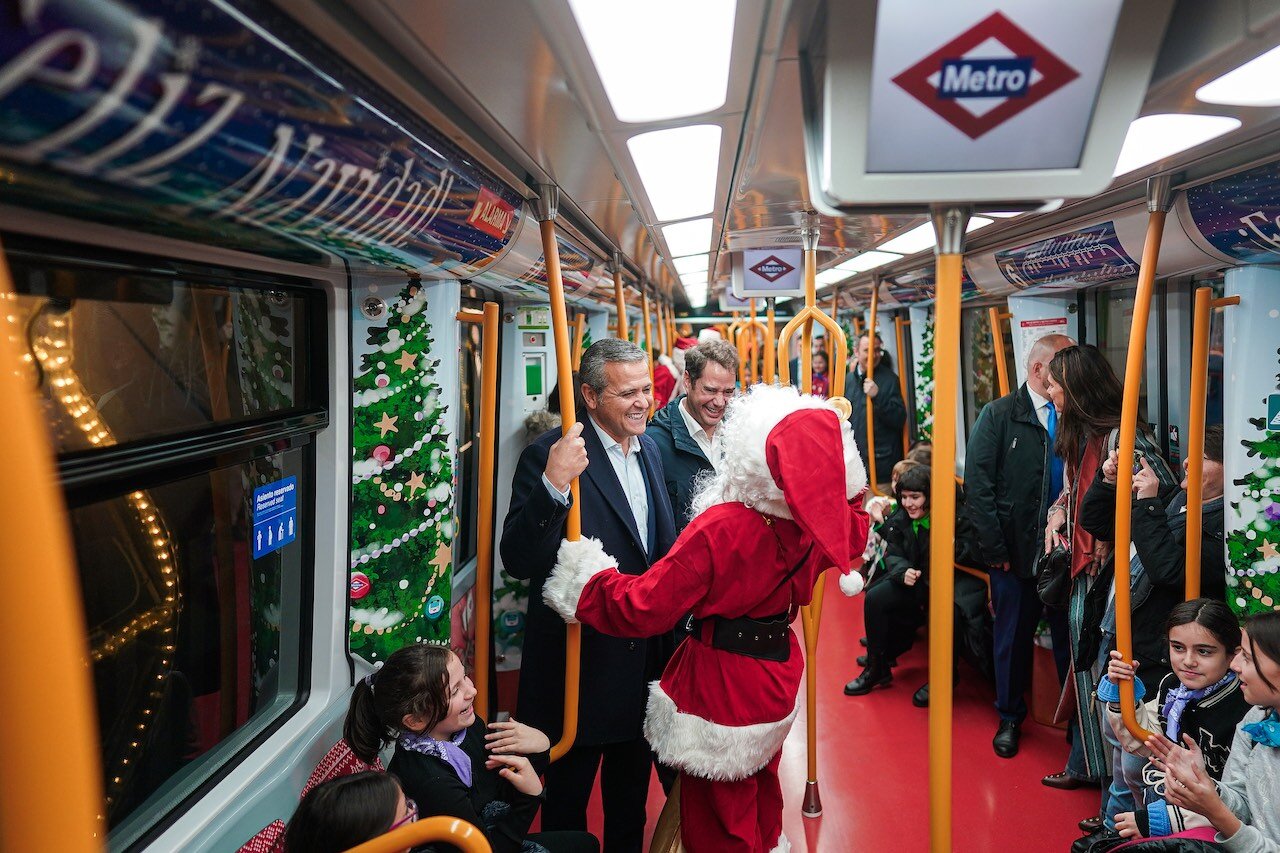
868	261
678	167
692	263
688	75
1254	84
922	237
1155	137
688	238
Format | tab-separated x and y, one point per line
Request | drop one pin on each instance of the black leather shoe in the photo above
921	697
1097	842
876	674
1090	824
862	661
1006	740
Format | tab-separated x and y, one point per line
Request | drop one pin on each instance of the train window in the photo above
137	345
464	549
182	402
981	384
195	644
1115	317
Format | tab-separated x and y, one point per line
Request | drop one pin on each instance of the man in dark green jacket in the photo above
685	429
889	411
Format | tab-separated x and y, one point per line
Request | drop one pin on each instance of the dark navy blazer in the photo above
615	670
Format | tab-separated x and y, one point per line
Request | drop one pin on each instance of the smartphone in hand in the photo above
502	717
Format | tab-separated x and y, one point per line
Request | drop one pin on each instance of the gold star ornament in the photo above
406	361
415	483
1268	550
387	424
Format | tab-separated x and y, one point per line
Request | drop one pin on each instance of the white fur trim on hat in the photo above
710	750
576	563
851	583
783	845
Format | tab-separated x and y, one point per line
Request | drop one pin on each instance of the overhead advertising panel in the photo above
1239	215
977	100
768	272
1086	256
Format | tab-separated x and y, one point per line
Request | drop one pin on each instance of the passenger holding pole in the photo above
872	378
624	505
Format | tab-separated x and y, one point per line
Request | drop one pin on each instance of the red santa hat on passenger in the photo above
806	457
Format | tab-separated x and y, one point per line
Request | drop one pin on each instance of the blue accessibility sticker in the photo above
275	516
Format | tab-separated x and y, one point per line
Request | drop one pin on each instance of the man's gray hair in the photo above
602	352
1042	351
721	352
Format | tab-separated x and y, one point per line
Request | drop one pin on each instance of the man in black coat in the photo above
889	411
1011	476
625	506
685	429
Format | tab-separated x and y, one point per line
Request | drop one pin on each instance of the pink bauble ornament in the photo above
382	381
360	585
382	453
382	509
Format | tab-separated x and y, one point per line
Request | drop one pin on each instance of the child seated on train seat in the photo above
1243	807
896	607
879	507
448	761
1201	698
346	811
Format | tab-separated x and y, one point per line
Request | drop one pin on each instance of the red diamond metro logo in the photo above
986	76
772	268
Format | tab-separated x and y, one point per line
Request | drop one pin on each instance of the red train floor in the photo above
873	764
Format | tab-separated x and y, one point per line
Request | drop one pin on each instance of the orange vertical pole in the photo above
33	526
898	325
579	329
484	504
949	223
1158	207
870	369
548	202
648	339
619	301
771	336
995	316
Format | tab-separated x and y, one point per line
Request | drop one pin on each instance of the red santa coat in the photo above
714	714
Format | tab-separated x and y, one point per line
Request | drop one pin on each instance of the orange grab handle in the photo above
455	831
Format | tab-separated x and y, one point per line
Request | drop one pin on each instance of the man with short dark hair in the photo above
874	380
1011	477
685	429
625	506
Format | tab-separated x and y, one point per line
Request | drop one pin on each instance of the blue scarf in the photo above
1266	731
450	751
1179	697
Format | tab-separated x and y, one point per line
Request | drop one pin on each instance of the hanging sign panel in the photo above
1239	215
977	100
1086	256
768	272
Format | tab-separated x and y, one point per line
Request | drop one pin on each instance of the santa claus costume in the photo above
784	505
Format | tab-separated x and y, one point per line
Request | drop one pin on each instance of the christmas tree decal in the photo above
401	487
1253	536
924	385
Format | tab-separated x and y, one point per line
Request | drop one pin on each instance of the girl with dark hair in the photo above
1201	697
897	605
347	811
1244	806
421	700
1088	398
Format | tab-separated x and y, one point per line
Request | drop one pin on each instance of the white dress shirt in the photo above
1041	406
630	473
707	443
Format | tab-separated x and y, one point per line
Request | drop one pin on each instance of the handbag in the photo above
1053	576
666	835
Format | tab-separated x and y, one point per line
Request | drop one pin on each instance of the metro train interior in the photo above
288	282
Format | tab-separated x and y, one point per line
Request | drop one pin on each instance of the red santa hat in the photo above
805	453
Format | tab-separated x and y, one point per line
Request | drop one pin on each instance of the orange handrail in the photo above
648	343
1157	200
770	337
549	198
452	830
898	325
995	316
749	335
811	614
620	303
672	334
490	329
33	526
1205	303
870	369
949	224
579	330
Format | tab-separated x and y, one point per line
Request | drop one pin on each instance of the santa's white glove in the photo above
851	583
576	563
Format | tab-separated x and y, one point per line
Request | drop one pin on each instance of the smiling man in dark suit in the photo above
625	506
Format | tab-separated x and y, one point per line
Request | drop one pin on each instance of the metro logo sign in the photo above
772	268
986	76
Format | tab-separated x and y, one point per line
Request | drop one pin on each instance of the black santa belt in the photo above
767	638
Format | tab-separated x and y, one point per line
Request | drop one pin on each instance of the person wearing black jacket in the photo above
1011	476
898	605
624	505
889	411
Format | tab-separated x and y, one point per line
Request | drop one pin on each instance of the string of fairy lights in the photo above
50	344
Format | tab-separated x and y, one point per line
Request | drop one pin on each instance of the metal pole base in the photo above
812	806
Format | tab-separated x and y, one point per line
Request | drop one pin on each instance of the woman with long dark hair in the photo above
1088	398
